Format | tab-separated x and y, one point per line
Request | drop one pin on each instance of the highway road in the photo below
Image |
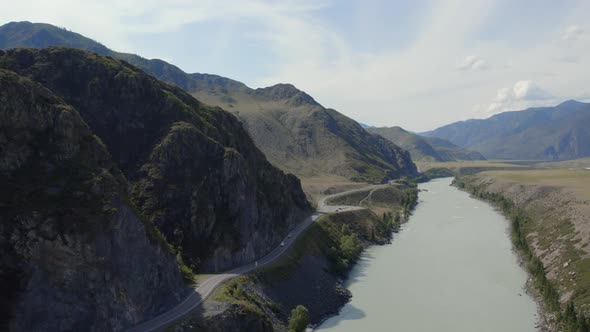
206	287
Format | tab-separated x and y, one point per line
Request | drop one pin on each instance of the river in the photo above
450	269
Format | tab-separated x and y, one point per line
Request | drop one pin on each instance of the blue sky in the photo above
418	64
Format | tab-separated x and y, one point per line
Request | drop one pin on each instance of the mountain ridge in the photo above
425	149
287	124
542	133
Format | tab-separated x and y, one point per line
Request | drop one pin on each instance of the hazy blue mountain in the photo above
551	133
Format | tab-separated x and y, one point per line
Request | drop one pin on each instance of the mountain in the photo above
75	254
41	35
301	136
424	148
96	158
296	133
545	133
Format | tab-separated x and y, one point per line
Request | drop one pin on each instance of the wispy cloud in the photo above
420	83
472	62
573	32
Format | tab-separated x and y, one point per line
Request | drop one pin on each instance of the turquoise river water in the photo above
450	269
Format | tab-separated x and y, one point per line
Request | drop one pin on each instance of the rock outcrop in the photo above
74	253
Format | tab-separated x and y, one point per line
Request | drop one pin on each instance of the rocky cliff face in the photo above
74	254
193	170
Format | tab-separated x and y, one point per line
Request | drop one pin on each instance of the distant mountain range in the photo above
545	133
424	148
296	133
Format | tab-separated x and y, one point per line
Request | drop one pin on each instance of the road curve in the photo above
208	286
323	207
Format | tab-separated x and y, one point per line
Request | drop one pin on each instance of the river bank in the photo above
451	268
549	214
313	270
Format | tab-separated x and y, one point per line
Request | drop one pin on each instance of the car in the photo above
283	244
289	236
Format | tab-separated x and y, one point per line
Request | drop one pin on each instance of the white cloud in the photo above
528	90
522	95
472	62
573	32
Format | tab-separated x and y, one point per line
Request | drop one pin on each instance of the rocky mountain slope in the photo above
296	133
546	133
75	254
300	135
424	148
193	170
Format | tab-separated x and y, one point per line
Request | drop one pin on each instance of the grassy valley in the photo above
137	196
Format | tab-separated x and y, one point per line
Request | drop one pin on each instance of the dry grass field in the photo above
576	180
475	164
319	186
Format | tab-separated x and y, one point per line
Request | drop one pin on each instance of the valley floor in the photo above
554	196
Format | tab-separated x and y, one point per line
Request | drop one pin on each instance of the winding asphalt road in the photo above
208	286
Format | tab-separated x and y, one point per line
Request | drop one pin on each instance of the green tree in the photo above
299	319
351	247
346	229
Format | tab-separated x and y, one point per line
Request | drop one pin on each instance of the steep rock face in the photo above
231	317
74	255
194	171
